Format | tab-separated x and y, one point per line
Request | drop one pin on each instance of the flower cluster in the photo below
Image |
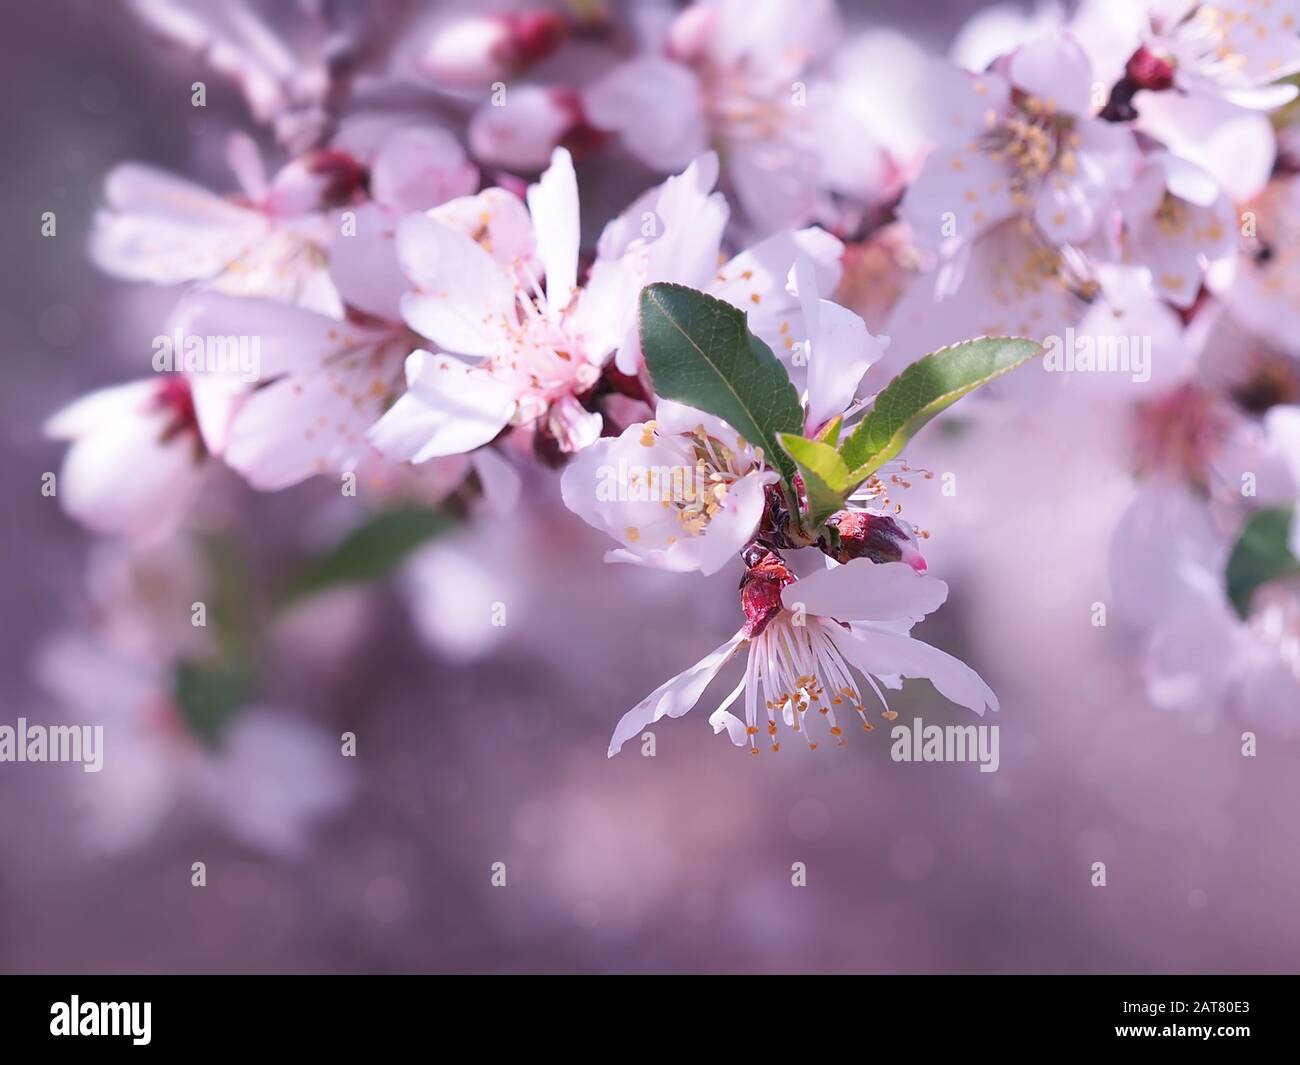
432	298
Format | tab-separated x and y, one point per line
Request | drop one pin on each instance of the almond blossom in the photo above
729	77
1207	658
805	641
271	778
1234	50
519	341
267	241
271	239
135	461
538	347
275	777
680	492
1180	226
687	246
685	491
1021	140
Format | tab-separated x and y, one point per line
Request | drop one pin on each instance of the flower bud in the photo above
473	52
316	180
1148	70
875	536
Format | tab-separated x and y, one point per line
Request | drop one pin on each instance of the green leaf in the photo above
826	478
209	694
700	352
1260	555
369	551
925	388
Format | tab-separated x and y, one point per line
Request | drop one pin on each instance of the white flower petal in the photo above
366	273
553	204
498	220
162	228
464	298
863	590
735	524
100	409
1054	69
419	167
616	485
673	418
720	718
842	351
879	653
1282	424
123	479
522	136
449	408
674	698
655	104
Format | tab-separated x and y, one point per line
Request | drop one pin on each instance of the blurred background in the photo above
478	744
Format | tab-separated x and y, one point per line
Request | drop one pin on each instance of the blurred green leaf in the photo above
1260	555
230	593
370	551
209	694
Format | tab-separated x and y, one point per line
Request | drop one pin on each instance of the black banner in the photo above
144	1014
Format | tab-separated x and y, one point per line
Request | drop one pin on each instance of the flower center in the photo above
1180	434
545	358
175	397
1033	141
698	485
800	670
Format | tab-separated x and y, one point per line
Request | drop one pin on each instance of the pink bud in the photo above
875	536
534	35
473	52
1147	70
468	53
319	179
175	396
